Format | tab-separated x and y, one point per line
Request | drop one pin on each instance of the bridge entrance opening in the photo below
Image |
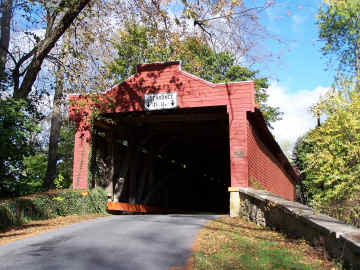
172	159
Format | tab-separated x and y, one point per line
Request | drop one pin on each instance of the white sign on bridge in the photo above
160	101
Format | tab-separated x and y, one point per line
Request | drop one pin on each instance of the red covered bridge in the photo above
169	139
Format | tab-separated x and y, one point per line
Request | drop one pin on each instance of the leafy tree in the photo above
339	23
56	115
328	156
331	160
17	127
140	44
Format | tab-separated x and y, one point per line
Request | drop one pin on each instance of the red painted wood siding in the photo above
265	169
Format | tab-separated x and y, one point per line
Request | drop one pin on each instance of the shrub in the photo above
49	205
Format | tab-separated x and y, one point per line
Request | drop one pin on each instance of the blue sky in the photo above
299	77
302	65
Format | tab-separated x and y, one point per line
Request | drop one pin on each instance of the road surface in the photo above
125	242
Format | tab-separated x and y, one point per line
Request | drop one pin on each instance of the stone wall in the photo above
341	241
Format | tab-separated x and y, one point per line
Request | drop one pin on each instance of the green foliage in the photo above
49	205
140	44
328	157
34	172
59	182
340	30
17	128
65	153
23	162
332	167
136	45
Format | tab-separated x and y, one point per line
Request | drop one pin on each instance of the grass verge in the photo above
232	243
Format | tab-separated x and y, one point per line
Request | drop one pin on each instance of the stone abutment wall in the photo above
341	241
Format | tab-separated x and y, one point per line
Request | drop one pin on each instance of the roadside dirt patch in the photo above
39	226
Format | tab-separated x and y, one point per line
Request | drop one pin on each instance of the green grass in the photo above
228	244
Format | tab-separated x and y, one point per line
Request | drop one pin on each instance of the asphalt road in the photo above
132	242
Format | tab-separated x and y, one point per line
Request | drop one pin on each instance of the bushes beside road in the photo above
51	204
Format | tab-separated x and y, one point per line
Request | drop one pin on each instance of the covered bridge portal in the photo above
168	139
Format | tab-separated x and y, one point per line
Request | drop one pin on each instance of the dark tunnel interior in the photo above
174	159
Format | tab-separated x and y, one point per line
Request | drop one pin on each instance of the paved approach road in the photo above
131	242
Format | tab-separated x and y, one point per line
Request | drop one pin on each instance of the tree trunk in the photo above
42	49
6	15
55	129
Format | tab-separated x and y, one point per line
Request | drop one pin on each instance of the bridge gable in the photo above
191	90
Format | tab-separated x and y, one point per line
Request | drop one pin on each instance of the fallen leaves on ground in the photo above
39	226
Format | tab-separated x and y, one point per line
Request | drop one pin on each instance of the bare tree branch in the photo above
44	47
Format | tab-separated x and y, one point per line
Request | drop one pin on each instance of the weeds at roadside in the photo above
232	243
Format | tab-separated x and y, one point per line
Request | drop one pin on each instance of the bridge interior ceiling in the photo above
175	159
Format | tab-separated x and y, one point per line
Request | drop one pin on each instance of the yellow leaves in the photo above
335	2
333	164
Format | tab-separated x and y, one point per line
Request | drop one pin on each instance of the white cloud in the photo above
297	19
297	119
297	22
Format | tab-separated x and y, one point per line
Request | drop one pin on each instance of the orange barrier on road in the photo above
139	208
